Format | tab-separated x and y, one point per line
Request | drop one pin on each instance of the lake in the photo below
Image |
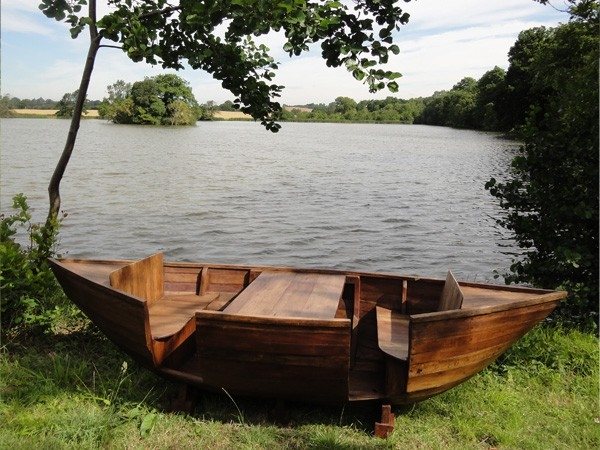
393	198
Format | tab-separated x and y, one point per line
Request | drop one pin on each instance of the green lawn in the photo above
77	391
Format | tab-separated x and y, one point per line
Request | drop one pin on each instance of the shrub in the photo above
31	299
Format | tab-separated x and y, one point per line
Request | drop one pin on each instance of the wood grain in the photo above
143	279
392	333
290	294
452	297
300	359
284	354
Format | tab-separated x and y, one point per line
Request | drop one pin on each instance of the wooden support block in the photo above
185	401
384	428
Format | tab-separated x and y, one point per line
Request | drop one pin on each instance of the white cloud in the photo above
17	21
443	42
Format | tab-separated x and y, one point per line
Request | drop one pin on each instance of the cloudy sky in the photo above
443	42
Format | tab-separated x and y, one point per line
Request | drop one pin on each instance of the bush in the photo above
31	300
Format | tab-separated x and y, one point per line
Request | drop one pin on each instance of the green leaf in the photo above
358	74
147	424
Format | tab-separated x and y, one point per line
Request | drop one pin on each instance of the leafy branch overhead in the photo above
218	36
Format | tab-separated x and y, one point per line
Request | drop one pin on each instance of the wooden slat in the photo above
143	279
290	294
121	317
300	359
392	333
446	352
171	313
452	297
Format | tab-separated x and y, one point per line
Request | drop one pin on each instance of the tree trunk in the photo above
54	186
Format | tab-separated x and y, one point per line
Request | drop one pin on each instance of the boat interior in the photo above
203	319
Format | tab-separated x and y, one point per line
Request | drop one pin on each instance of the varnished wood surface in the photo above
122	318
143	279
290	294
444	347
392	333
294	358
444	353
172	312
452	297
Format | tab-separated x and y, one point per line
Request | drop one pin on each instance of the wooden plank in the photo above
170	314
404	308
445	353
290	294
143	279
452	297
300	359
121	317
392	333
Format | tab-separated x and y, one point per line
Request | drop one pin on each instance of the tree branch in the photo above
54	186
160	12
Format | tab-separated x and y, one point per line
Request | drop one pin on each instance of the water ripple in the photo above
371	197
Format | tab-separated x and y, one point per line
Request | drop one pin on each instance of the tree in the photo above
159	100
218	37
66	105
454	108
119	90
491	93
519	77
6	106
551	199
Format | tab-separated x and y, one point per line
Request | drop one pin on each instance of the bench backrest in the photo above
143	279
452	297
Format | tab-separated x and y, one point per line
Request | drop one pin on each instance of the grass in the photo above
77	391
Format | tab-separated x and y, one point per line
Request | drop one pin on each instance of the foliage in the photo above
66	105
491	92
5	107
7	103
31	298
227	105
454	108
551	198
345	109
160	100
357	36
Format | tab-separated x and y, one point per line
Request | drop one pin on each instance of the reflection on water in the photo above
400	198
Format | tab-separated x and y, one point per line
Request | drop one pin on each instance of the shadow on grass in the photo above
86	363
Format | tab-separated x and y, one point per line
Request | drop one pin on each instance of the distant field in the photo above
231	115
49	112
223	115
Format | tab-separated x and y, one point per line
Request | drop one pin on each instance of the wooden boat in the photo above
313	335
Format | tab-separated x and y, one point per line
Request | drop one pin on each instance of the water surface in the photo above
399	198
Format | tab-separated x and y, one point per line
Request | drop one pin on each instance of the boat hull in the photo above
372	337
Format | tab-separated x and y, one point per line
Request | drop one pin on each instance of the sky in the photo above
443	42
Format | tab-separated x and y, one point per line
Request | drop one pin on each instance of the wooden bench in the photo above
290	294
393	328
168	317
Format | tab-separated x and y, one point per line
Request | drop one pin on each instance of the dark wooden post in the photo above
384	428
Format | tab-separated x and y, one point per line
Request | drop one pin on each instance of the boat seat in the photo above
223	299
392	333
452	297
173	311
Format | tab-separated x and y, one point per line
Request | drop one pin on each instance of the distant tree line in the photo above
345	109
9	103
